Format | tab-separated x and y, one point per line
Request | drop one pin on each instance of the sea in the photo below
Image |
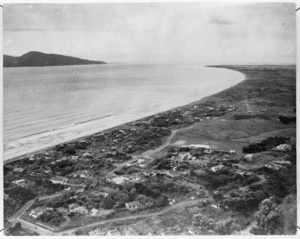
45	106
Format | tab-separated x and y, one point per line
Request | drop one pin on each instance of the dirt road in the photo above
143	215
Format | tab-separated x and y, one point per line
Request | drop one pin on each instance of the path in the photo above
17	216
167	209
146	154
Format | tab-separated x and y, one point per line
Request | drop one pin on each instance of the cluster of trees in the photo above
11	206
264	145
225	176
150	138
14	230
168	120
250	116
63	167
20	194
45	186
52	217
287	120
127	170
215	112
249	201
119	156
62	201
268	218
209	226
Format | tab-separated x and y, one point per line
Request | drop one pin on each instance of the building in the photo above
216	168
35	213
59	180
81	210
284	147
114	232
81	190
142	165
119	180
104	194
199	146
20	182
18	170
94	212
87	155
133	205
248	158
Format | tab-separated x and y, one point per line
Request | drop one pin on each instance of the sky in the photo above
206	33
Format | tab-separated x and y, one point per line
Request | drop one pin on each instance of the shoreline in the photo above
108	129
249	109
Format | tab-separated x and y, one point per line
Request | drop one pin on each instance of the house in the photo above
81	210
20	182
171	201
199	146
133	205
35	213
142	165
59	180
87	155
104	194
141	161
216	168
283	147
248	158
114	232
81	190
94	212
214	206
18	170
119	180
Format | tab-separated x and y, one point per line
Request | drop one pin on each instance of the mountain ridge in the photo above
39	59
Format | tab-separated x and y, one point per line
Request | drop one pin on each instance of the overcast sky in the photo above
155	32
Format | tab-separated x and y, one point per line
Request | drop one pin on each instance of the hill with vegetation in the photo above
34	58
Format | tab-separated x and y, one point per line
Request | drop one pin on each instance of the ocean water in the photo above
44	106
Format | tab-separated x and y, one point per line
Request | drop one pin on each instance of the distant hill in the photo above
34	58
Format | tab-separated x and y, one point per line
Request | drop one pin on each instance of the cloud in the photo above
220	21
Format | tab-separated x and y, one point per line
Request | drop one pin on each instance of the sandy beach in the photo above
137	109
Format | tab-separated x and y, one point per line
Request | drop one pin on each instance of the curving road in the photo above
143	215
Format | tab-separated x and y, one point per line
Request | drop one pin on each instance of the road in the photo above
146	154
166	143
17	216
166	209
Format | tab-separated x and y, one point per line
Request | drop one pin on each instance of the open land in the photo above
223	165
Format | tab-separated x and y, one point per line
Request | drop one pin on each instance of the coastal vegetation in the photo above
218	166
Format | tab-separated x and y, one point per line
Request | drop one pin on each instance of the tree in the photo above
268	217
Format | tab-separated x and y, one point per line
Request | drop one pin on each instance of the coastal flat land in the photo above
223	165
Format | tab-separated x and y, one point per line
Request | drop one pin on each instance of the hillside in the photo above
34	58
